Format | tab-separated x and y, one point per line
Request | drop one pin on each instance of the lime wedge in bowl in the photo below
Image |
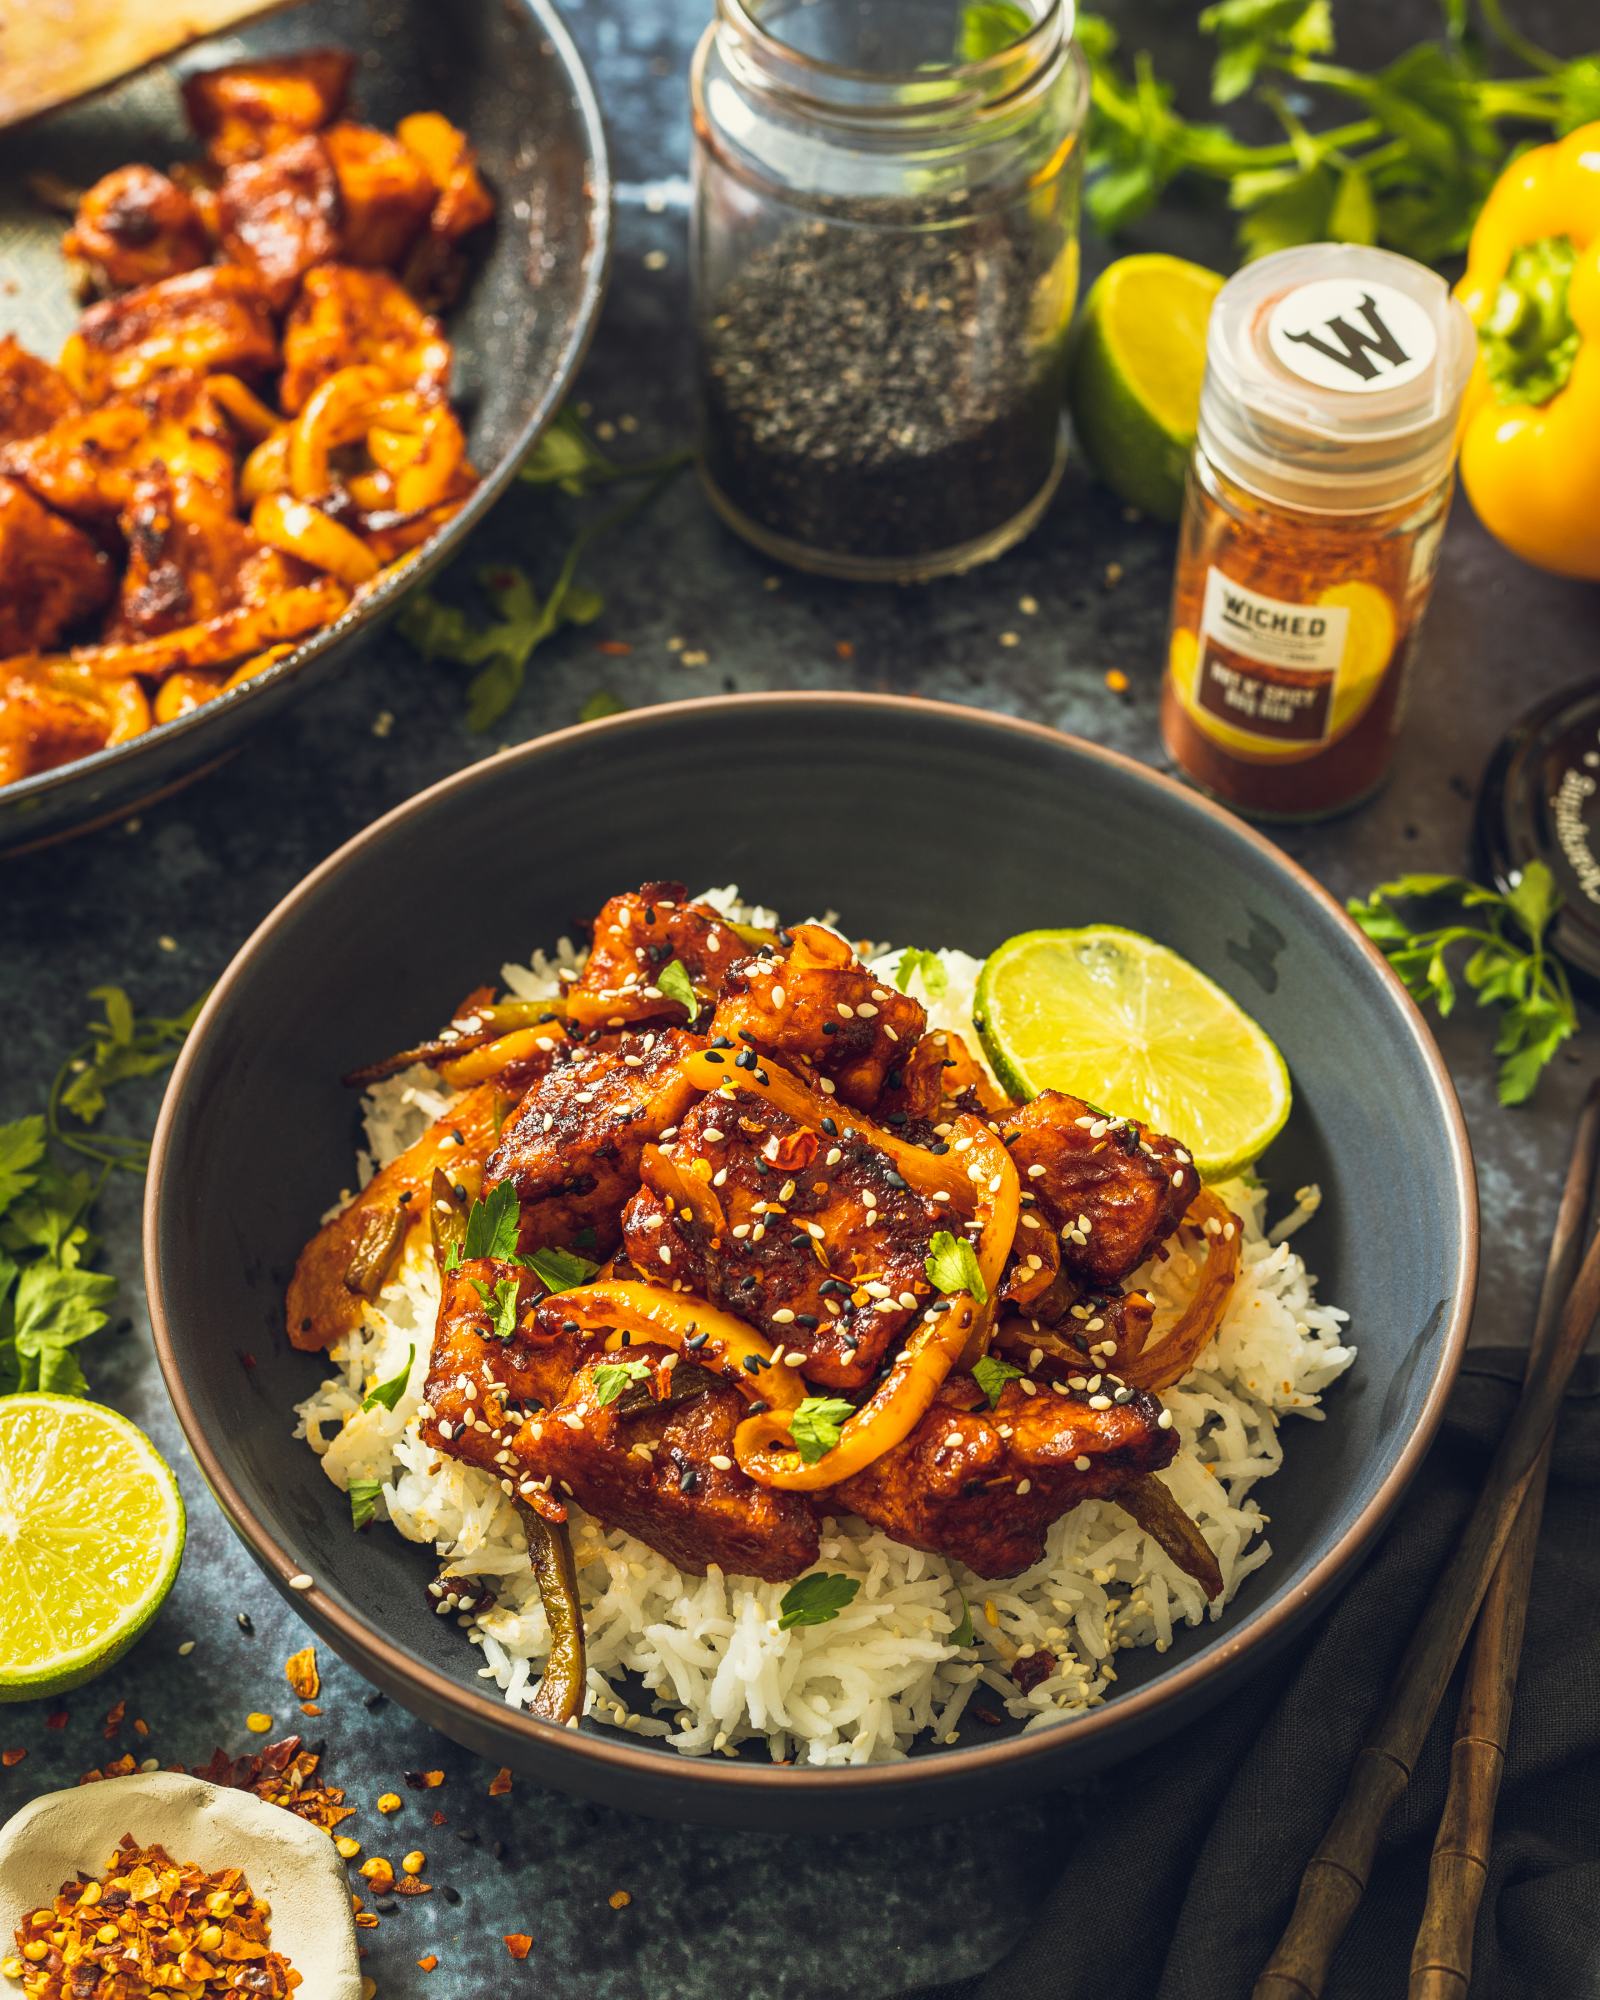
91	1535
1117	1019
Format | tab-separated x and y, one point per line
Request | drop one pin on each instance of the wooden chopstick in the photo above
1441	1961
1335	1877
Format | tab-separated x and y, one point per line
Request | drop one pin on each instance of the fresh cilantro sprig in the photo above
1508	963
363	1497
560	1270
816	1425
675	984
1402	156
952	1266
492	1225
51	1297
927	965
387	1394
612	1377
500	645
992	1374
500	1303
816	1599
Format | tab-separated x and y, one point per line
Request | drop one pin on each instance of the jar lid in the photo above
1540	801
1334	377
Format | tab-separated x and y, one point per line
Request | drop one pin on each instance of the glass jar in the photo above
885	259
1317	495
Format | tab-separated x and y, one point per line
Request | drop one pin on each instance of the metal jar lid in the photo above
1540	801
1334	378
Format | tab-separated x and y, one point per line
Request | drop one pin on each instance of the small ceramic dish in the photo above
289	1864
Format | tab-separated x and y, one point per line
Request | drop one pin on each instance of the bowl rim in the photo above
444	542
425	1687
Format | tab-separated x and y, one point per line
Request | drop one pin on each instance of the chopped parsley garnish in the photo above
963	1634
816	1424
492	1226
560	1270
363	1500
992	1374
952	1266
816	1598
675	984
612	1377
935	980
500	1304
389	1393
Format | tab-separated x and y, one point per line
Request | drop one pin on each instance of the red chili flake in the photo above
11	1758
57	1718
518	1943
619	1899
140	1726
1035	1667
845	650
500	1783
617	648
439	1819
114	1719
310	1708
246	1361
429	1962
408	1885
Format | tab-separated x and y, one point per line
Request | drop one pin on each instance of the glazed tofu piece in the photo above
386	194
136	227
33	394
88	465
185	554
822	1010
811	1236
664	1469
249	108
205	322
280	215
343	317
573	1146
368	1234
1110	1189
51	574
52	711
461	201
482	1383
983	1485
635	937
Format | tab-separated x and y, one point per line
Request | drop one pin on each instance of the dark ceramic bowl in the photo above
507	73
917	822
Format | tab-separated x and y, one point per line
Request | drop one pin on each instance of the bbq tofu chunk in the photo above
51	574
135	227
493	1359
636	936
573	1146
638	1454
822	1011
982	1485
186	550
343	318
1111	1190
385	193
89	463
33	395
208	321
812	1236
280	215
249	108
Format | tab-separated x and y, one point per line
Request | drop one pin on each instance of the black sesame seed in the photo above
830	1128
375	1700
712	1056
246	1622
830	1027
721	1042
451	1896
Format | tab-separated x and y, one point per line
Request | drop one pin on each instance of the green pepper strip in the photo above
560	1692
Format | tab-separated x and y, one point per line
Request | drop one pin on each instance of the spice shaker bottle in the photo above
1317	494
885	258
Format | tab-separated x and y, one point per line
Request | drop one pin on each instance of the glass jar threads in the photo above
1317	494
885	263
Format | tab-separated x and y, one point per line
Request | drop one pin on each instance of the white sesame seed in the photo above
794	1358
866	1010
845	1012
1024	1486
1028	1388
301	1581
721	1461
777	1001
1164	1421
1035	1172
185	1649
783	1316
1099	1402
1081	1462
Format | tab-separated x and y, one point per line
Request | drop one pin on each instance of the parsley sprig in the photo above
1509	965
1402	156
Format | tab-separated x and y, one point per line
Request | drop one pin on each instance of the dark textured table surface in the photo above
160	904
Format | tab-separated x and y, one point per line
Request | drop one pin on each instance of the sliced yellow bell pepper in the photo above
1530	436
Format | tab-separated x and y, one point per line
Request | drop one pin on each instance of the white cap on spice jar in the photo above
1334	377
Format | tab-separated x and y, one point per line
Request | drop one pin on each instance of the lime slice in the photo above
1112	1017
91	1535
1138	356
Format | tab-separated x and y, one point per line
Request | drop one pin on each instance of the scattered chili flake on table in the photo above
11	1758
300	1670
152	1924
57	1718
428	1963
619	1899
518	1943
378	1873
282	1774
114	1717
500	1783
1117	681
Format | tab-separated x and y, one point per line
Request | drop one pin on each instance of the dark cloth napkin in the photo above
1183	1869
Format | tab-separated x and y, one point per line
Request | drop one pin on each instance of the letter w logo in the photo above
1356	345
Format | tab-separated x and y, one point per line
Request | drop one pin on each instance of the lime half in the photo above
1110	1016
91	1535
1139	353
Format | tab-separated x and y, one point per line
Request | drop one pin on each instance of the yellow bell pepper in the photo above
1530	436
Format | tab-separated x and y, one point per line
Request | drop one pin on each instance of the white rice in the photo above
717	1671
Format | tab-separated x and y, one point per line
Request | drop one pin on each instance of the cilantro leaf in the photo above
816	1424
389	1393
992	1374
560	1270
601	703
952	1266
675	984
963	1635
363	1500
21	1147
1507	964
816	1599
612	1377
926	964
54	1309
492	1225
500	1303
